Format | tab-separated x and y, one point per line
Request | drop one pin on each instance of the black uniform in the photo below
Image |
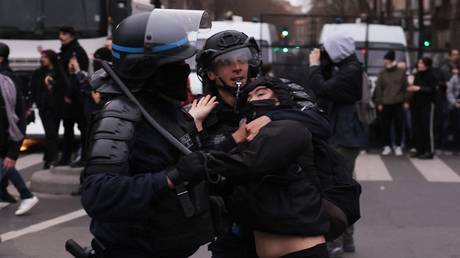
134	213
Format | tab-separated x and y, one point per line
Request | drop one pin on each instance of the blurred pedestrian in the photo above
390	93
341	91
48	94
442	116
12	131
73	106
422	108
453	97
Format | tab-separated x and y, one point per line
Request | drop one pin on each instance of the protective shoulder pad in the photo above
112	130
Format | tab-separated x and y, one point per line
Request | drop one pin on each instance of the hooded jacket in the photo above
341	91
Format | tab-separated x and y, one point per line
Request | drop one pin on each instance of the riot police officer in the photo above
128	187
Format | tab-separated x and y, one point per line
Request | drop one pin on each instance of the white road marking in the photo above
42	225
371	168
435	170
29	161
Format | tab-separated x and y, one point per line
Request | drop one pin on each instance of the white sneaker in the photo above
26	205
398	151
4	204
386	151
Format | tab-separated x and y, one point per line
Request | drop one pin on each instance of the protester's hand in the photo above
49	82
314	57
406	105
413	88
8	163
67	100
241	134
201	108
74	66
255	125
380	108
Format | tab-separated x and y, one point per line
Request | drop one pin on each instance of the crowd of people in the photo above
60	90
418	109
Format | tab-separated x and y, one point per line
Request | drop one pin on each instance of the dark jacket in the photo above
428	82
273	192
72	86
45	99
390	87
8	147
341	92
129	201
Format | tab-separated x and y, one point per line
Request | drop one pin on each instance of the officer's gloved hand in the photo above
190	168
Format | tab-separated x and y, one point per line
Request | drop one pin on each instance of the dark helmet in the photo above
4	50
225	42
146	41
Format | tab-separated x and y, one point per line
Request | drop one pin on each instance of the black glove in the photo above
190	168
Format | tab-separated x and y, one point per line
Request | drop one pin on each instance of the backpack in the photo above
365	107
340	192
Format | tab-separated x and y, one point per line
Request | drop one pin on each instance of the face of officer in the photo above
231	67
65	37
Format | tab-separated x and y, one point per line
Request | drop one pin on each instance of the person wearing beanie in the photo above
339	93
390	94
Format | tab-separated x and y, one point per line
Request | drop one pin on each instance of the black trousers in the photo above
69	135
422	125
50	120
392	117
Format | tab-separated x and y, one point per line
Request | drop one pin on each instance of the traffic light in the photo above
425	39
285	32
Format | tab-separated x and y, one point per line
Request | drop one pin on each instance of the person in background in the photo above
390	94
453	97
73	106
12	131
443	118
340	92
422	108
48	94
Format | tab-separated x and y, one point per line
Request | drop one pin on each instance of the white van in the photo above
264	33
381	38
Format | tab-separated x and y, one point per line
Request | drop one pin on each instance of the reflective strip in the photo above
168	46
116	54
128	49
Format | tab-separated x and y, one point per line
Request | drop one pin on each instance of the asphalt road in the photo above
410	209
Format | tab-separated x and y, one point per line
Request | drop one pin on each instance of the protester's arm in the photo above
15	146
450	92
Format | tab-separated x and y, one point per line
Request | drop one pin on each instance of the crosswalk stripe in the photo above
371	168
435	170
29	161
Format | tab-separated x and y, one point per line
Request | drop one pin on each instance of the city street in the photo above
409	207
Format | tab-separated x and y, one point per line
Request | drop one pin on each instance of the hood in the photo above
339	45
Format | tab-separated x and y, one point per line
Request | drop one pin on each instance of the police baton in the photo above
181	190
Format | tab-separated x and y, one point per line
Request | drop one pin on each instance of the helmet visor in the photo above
171	28
240	56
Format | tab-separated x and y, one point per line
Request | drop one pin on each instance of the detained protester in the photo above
422	107
12	131
228	61
390	94
48	94
266	181
336	77
138	206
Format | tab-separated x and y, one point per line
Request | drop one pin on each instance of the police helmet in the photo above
146	41
223	45
4	50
